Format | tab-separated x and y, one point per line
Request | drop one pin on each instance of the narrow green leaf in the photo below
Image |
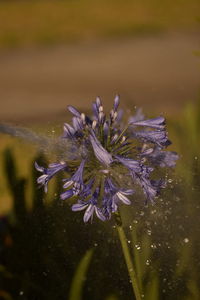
80	276
152	290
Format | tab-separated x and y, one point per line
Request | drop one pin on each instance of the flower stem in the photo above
127	257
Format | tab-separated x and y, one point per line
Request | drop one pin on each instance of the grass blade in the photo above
80	276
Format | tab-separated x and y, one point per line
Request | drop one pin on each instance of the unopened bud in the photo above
100	108
101	116
83	117
94	124
123	139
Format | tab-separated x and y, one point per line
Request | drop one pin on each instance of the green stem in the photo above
127	257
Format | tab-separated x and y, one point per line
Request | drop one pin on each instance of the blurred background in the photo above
53	53
56	53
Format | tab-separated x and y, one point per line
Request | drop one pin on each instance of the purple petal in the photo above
68	183
127	192
99	214
131	164
116	103
119	115
105	129
88	213
98	102
39	168
78	175
95	110
157	123
157	137
101	153
67	194
123	198
68	131
74	111
77	123
79	206
57	166
42	179
148	189
164	158
147	151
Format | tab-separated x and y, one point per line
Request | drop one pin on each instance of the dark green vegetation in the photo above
47	252
25	23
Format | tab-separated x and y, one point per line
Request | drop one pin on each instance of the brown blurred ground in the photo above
159	73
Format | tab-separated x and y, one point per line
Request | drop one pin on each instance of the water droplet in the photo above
170	180
95	244
153	246
21	293
135	221
137	247
196	157
147	262
186	240
129	241
142	295
130	227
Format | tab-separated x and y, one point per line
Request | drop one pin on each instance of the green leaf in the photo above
152	290
80	276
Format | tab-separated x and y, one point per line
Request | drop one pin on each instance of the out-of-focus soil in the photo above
159	73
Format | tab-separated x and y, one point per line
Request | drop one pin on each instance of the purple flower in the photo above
48	173
101	153
90	206
157	123
117	194
150	190
104	150
116	103
158	137
74	111
163	158
69	131
76	182
133	165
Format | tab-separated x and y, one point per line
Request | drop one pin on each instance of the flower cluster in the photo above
113	159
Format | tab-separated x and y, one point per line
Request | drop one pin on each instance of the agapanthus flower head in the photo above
112	158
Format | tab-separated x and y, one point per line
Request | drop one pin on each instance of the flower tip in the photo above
116	102
73	110
98	101
38	168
